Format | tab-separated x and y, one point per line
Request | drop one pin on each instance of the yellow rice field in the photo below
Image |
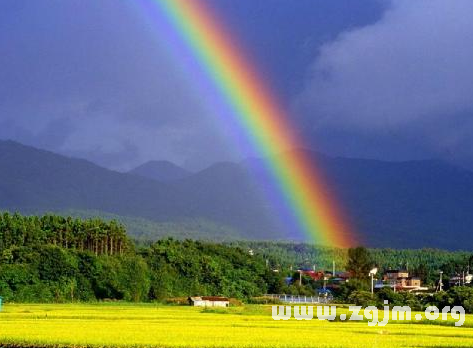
147	325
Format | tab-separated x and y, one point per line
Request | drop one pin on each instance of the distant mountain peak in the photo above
163	171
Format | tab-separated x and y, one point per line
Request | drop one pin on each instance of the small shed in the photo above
209	301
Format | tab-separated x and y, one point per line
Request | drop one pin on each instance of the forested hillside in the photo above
145	231
51	258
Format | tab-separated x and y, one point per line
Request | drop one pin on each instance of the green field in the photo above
121	325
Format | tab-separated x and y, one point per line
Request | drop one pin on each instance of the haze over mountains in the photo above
163	171
391	204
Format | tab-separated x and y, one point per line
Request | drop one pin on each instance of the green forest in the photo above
53	258
62	259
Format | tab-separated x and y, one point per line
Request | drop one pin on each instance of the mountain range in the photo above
163	171
408	204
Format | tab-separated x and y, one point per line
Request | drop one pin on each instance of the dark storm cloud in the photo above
400	87
90	79
95	79
283	36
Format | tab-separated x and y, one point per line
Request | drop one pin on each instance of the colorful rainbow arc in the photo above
261	118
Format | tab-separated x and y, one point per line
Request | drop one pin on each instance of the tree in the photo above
393	298
345	290
462	296
55	264
136	278
359	262
362	298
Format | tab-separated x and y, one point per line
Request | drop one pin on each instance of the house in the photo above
209	301
399	280
343	276
409	283
394	274
314	275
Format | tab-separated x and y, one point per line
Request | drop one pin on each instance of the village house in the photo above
314	275
209	301
399	280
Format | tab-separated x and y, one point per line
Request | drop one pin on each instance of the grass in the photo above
148	325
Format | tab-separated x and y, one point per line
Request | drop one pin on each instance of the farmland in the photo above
127	325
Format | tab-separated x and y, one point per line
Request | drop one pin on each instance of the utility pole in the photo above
440	282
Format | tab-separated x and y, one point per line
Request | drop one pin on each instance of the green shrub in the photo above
362	298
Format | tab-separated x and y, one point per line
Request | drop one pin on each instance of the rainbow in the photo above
261	118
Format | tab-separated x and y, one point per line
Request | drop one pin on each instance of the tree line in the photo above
94	235
52	258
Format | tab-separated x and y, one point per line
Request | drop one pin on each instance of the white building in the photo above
209	301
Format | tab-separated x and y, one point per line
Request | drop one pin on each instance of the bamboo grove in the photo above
97	236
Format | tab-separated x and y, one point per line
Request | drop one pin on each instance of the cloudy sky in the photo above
369	78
